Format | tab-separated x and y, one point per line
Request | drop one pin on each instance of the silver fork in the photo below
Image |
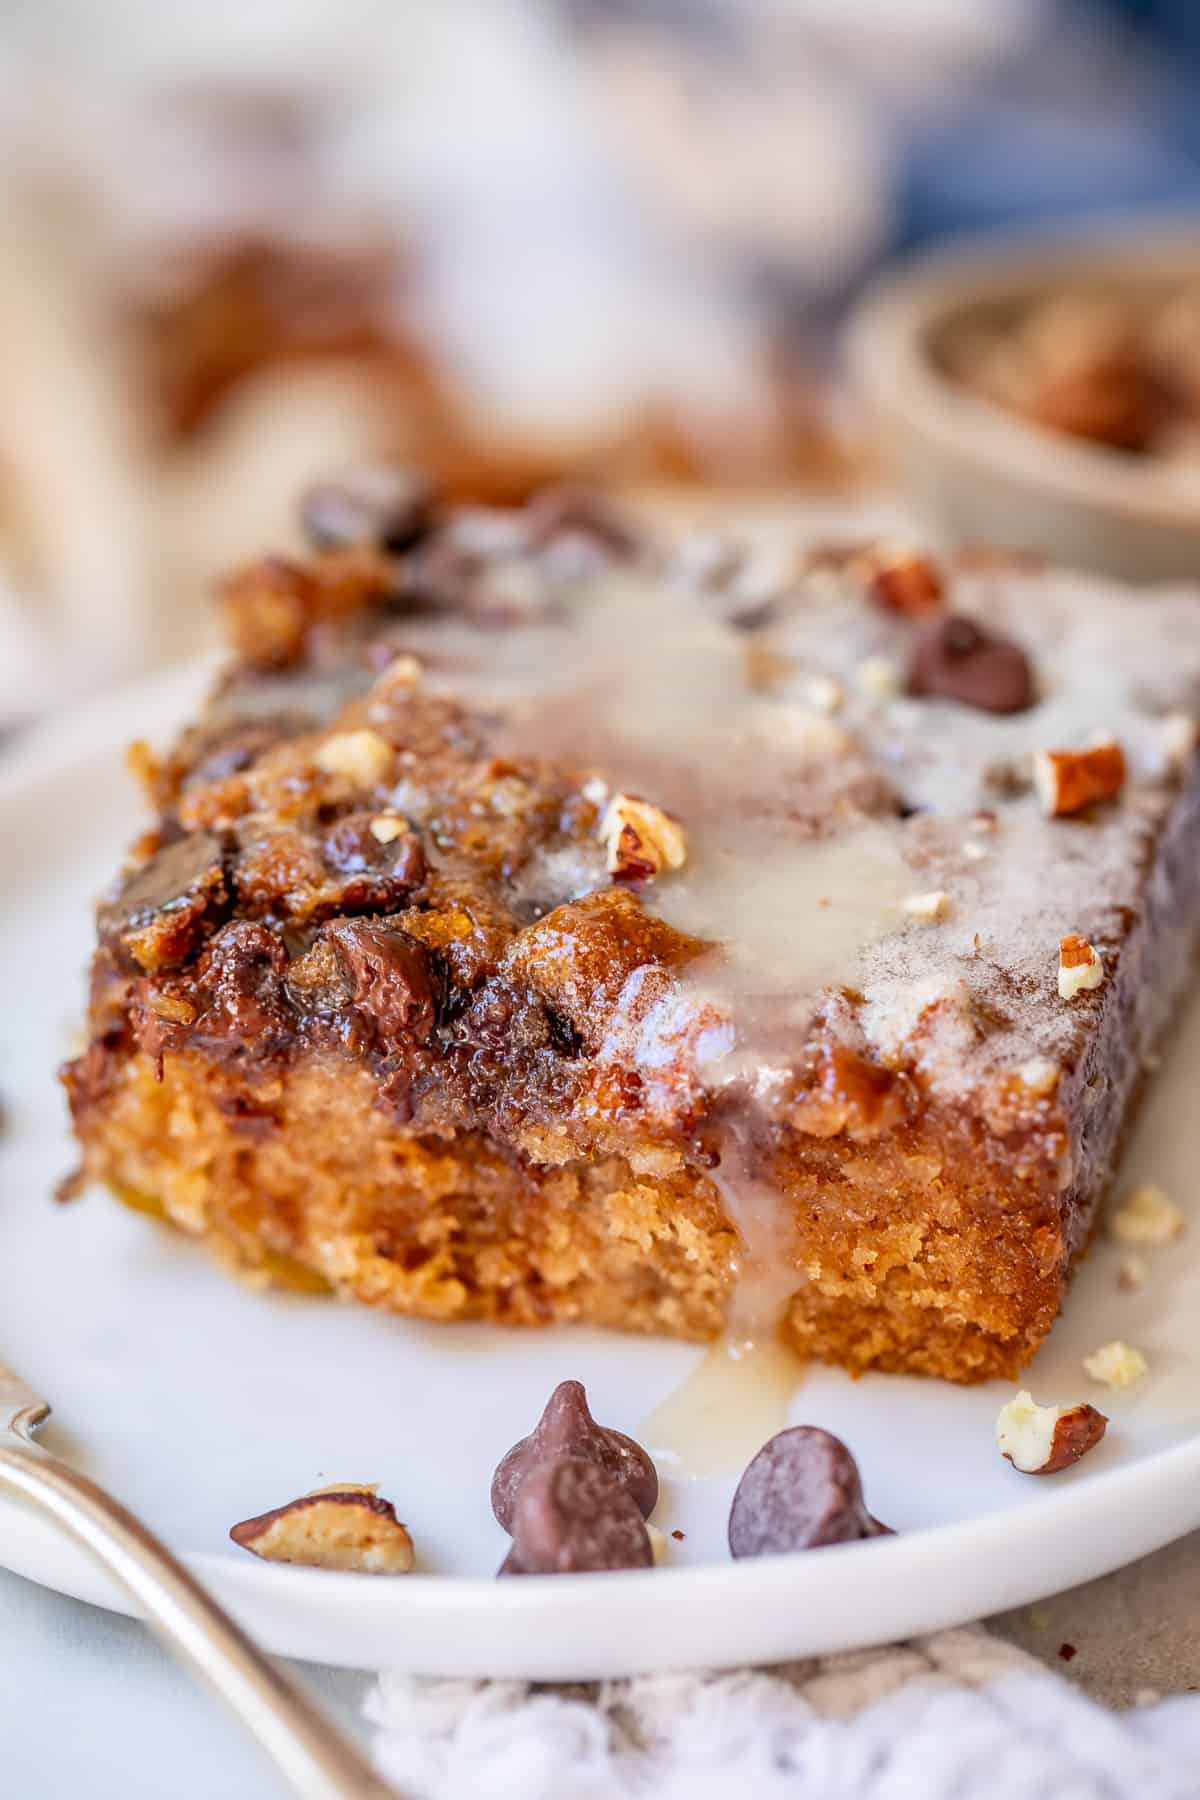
318	1762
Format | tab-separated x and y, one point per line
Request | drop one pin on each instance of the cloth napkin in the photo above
956	1716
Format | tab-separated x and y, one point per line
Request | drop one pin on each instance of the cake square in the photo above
543	923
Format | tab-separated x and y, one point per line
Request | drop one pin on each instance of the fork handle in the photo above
307	1750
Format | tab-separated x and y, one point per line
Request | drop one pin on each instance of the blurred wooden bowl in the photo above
986	475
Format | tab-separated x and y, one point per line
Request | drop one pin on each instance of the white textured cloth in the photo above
958	1716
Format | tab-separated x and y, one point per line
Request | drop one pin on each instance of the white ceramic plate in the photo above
201	1403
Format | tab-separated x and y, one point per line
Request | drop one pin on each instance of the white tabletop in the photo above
90	1706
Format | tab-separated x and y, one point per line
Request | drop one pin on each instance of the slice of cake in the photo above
542	925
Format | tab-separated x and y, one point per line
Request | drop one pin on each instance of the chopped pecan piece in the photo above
640	839
1080	966
1068	780
1042	1440
347	1528
900	580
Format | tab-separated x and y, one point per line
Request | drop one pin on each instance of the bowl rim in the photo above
884	348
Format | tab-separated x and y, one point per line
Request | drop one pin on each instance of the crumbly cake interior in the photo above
545	925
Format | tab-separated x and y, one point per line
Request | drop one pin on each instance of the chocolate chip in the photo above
241	988
169	906
583	516
956	658
389	508
567	1428
378	875
236	748
801	1491
391	987
572	1516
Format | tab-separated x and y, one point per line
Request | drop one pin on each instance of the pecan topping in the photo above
170	905
640	839
900	580
1069	780
270	606
1080	966
957	659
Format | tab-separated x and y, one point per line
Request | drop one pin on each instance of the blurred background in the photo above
241	245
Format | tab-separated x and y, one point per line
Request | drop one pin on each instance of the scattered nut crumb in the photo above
1117	1365
640	839
361	756
983	821
928	907
1068	1652
387	828
1146	1218
824	693
878	677
817	737
1131	1274
1080	966
679	1535
1068	780
402	671
345	1526
1041	1440
658	1543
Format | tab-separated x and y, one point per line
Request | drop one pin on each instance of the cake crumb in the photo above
1146	1218
928	907
1115	1364
1131	1274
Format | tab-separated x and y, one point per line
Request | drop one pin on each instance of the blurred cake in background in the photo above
508	242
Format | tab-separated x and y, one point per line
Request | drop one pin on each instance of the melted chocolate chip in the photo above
352	847
169	906
390	982
241	985
237	747
319	984
388	508
958	659
800	1492
573	1516
567	1428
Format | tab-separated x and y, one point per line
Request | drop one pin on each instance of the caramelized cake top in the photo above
602	846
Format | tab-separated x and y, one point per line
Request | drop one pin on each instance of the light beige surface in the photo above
1136	1633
